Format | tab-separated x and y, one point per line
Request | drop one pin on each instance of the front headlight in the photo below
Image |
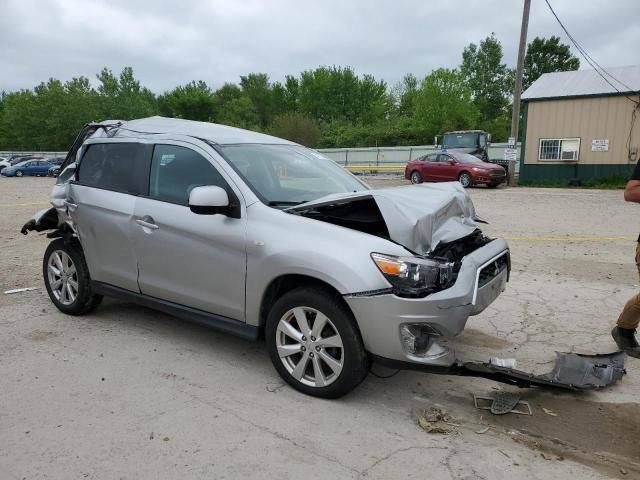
478	169
413	276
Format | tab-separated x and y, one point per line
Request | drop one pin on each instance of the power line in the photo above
595	65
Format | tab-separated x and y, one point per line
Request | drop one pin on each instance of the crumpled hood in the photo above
418	217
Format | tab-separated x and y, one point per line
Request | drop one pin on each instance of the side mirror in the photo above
209	200
452	162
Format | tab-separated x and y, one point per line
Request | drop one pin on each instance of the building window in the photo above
559	149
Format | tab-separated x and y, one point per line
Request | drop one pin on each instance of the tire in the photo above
415	177
19	173
465	179
329	370
67	257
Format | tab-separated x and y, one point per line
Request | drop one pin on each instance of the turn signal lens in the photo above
387	265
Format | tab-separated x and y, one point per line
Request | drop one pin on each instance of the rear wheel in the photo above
465	179
67	279
314	343
416	177
19	173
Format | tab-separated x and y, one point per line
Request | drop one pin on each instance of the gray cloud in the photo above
169	43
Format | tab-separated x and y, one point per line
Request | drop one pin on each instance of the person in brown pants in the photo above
624	331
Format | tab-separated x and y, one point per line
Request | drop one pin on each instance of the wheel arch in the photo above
288	282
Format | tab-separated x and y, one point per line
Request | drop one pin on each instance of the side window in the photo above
443	158
175	171
112	166
430	158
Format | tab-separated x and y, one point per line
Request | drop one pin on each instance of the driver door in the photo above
194	260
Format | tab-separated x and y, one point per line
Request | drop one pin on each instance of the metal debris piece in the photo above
482	430
503	362
504	402
19	290
485	403
549	412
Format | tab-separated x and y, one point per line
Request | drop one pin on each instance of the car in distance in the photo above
261	237
36	168
451	165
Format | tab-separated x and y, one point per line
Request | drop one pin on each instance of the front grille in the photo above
497	174
493	269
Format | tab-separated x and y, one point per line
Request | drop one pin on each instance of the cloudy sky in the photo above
172	42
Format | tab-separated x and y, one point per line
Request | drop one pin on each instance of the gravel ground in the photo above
127	392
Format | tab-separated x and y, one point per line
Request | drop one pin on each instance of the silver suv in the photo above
261	237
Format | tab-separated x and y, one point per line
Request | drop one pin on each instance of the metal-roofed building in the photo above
577	126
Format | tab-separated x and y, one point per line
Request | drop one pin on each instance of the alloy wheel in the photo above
415	178
310	346
63	277
465	180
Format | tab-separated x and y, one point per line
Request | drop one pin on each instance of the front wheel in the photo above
314	343
67	279
465	179
416	177
19	173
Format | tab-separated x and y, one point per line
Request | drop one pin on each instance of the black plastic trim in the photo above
211	320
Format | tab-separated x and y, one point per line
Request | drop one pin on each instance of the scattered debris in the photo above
274	387
166	439
436	420
623	471
151	436
549	412
498	405
503	362
19	290
483	430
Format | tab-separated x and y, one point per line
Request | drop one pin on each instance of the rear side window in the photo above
175	171
112	166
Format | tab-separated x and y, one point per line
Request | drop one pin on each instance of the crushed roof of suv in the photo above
213	132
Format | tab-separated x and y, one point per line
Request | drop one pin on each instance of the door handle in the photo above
147	222
70	205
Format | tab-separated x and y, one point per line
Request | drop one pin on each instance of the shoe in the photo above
626	341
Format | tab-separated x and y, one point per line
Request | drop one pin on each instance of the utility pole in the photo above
515	116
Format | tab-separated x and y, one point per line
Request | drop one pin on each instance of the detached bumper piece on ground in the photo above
571	371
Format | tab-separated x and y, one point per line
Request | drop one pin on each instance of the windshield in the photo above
461	140
465	157
289	174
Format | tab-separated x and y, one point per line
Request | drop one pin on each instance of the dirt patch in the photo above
40	335
477	338
603	436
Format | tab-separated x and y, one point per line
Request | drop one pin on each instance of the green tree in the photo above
193	101
444	103
123	97
256	87
488	79
297	127
545	55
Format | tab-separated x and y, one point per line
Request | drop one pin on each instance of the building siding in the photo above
586	118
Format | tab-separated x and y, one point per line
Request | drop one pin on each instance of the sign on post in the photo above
600	145
511	154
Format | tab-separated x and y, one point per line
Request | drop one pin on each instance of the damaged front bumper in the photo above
572	371
482	277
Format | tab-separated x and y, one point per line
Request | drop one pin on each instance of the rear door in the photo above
194	260
101	203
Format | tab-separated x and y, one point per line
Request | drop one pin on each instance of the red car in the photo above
451	166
